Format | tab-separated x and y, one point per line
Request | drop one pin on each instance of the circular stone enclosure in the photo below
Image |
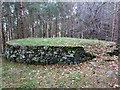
40	54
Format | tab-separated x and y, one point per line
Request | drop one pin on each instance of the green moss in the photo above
61	41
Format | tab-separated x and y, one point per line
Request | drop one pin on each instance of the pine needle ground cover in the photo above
98	72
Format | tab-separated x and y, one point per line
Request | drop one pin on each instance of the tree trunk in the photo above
33	31
114	20
40	26
21	20
1	31
56	27
63	21
3	39
44	29
118	40
17	26
72	20
9	22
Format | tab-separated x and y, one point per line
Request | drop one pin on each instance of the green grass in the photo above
61	41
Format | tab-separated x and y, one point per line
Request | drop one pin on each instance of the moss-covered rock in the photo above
46	54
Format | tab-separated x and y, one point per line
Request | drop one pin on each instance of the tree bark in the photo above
56	27
1	38
2	34
118	39
114	20
21	20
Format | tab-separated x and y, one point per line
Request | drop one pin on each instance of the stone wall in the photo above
46	54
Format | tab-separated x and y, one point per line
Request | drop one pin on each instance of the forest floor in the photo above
100	72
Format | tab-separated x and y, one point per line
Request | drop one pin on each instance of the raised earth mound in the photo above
48	50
